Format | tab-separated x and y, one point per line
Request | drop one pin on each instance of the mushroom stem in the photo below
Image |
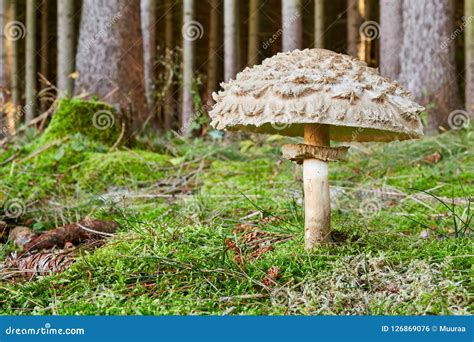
317	204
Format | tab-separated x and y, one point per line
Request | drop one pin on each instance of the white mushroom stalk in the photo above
317	202
319	95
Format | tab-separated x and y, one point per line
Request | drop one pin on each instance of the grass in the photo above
173	254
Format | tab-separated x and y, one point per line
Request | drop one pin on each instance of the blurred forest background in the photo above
159	61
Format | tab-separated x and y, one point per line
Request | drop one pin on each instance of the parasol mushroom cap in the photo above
295	88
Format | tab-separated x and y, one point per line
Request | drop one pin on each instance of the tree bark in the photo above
16	91
231	39
253	37
168	107
428	67
358	44
66	48
3	64
292	25
30	60
110	57
391	37
469	56
44	49
319	24
187	112
148	17
212	51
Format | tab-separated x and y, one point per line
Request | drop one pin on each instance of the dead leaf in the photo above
433	158
73	233
272	275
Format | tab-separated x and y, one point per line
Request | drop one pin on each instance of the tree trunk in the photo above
16	91
391	37
66	48
469	56
148	17
253	38
3	64
428	67
359	30
168	107
30	61
319	24
44	49
231	39
212	51
190	28
292	25
110	56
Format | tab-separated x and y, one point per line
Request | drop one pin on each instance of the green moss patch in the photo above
96	120
121	168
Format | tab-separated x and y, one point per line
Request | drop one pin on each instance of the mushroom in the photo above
320	95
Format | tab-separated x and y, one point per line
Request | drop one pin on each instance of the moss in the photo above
95	120
120	168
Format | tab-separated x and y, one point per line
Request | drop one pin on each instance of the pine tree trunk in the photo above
44	60
469	56
16	91
391	37
357	43
148	17
253	38
212	50
231	39
110	56
168	107
66	48
30	60
3	71
187	113
292	25
319	24
428	67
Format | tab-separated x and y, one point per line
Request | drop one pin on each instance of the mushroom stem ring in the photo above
314	155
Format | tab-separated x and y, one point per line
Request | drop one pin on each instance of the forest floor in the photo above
215	227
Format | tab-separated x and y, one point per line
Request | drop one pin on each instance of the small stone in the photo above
425	234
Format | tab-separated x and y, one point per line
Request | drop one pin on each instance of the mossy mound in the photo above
95	120
121	168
